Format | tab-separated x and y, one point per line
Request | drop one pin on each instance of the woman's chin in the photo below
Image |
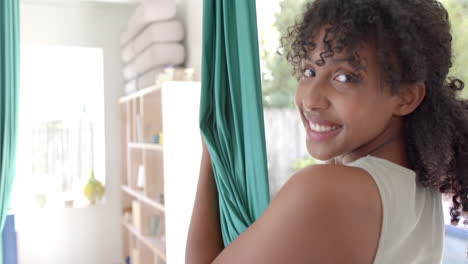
320	156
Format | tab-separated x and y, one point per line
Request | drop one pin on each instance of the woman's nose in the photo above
315	98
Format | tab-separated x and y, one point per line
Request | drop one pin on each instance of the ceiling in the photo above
83	1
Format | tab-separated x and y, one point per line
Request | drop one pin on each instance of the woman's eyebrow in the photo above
350	61
342	60
345	60
306	61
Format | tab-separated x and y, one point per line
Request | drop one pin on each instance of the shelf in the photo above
139	93
140	196
161	201
146	146
156	244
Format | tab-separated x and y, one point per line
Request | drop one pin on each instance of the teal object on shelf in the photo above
231	113
9	247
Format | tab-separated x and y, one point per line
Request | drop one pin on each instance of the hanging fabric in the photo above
9	84
231	112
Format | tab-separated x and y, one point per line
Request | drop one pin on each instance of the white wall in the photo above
190	12
179	197
88	235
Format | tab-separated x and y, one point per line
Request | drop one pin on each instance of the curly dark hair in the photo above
414	44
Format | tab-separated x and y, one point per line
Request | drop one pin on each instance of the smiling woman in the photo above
343	104
404	68
372	82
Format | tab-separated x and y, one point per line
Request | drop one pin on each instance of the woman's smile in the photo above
321	133
320	129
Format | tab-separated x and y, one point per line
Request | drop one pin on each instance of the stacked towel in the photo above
151	42
159	32
147	12
157	55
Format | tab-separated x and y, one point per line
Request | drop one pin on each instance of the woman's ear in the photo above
410	98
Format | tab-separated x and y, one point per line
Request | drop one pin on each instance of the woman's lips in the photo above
315	119
319	129
322	133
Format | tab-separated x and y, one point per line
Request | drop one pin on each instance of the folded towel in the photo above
157	32
147	12
128	53
149	78
162	54
130	87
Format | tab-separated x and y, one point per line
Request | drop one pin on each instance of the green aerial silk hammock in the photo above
9	83
231	112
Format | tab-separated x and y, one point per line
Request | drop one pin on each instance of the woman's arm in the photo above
325	214
204	242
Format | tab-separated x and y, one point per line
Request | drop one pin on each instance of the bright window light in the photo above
60	127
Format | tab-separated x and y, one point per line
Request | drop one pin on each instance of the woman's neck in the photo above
388	145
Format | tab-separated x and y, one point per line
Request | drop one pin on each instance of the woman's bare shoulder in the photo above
323	214
336	178
342	185
349	188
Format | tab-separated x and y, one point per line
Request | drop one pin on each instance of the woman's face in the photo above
343	109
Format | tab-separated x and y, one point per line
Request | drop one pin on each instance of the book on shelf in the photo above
136	213
135	256
141	177
139	128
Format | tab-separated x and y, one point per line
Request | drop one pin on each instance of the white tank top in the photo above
413	223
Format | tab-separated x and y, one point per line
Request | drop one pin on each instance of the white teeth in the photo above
320	128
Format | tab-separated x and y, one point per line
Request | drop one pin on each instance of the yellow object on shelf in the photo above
93	190
161	138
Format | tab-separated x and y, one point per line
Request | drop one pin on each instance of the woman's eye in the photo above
308	73
345	78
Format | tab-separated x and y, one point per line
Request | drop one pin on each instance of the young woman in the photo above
376	102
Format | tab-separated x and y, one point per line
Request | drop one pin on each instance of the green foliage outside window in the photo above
458	12
279	85
302	163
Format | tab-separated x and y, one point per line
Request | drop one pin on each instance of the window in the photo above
278	88
60	127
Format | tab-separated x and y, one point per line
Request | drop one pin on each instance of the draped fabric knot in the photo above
231	113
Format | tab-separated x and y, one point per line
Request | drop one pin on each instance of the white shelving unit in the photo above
158	179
